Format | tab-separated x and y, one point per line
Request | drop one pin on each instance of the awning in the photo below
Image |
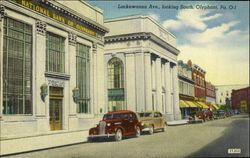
183	104
204	106
191	104
215	106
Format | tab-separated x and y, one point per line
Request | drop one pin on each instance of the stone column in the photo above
153	83
169	110
176	107
72	106
140	83
40	106
94	81
158	85
2	14
130	81
148	81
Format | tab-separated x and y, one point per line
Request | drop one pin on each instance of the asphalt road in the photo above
209	139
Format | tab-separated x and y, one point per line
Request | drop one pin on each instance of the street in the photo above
209	139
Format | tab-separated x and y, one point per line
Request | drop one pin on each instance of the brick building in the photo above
241	99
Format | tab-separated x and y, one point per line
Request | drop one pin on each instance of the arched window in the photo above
115	85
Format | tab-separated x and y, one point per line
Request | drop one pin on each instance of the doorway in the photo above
55	108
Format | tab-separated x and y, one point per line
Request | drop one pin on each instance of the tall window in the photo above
83	77
55	53
115	85
17	67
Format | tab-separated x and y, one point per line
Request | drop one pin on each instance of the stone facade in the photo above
149	55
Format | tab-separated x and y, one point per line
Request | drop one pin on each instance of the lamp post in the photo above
76	94
44	91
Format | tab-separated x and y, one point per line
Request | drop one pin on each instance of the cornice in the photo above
141	36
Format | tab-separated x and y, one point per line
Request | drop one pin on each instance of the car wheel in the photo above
151	130
164	129
118	135
138	131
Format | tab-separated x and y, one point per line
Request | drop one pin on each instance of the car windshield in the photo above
148	114
112	116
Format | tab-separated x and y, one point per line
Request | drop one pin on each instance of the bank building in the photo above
57	80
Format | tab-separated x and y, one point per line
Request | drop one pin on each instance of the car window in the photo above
155	115
131	115
112	116
126	116
159	115
147	114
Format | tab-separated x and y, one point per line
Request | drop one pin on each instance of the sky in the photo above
216	39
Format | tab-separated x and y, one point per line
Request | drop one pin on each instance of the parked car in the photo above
209	115
222	113
117	124
197	116
151	121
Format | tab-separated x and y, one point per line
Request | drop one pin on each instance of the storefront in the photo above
50	58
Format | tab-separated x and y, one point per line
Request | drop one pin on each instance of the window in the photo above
115	85
83	77
55	53
17	67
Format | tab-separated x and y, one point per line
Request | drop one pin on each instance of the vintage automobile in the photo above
117	125
151	121
197	116
209	115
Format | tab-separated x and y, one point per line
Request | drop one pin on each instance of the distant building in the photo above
186	87
223	93
241	99
198	75
210	93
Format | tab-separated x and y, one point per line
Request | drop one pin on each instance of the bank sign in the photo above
49	13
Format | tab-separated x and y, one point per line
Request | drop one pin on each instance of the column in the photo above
130	81
158	85
168	108
139	77
93	80
41	107
148	81
176	107
2	14
72	106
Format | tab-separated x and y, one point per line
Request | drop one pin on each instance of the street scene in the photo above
90	79
209	139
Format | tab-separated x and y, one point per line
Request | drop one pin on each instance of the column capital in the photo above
2	12
72	38
41	27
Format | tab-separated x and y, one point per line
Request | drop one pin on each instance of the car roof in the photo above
120	111
149	111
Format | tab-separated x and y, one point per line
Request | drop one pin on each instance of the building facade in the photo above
186	88
223	93
241	99
52	53
210	93
141	66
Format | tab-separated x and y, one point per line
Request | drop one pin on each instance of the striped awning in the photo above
183	104
204	106
215	106
191	104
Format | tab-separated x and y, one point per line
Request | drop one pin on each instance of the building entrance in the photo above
55	108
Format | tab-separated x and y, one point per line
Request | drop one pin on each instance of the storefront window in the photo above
55	53
17	67
83	77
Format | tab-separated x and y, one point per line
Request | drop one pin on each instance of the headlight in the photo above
142	124
108	124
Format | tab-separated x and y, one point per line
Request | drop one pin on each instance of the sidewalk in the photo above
177	122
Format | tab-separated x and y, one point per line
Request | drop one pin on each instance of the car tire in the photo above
151	130
118	135
138	131
164	129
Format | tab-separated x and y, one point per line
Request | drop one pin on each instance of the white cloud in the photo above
193	18
222	53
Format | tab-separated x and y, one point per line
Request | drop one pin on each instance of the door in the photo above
55	108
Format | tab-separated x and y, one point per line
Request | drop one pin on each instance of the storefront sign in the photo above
53	15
